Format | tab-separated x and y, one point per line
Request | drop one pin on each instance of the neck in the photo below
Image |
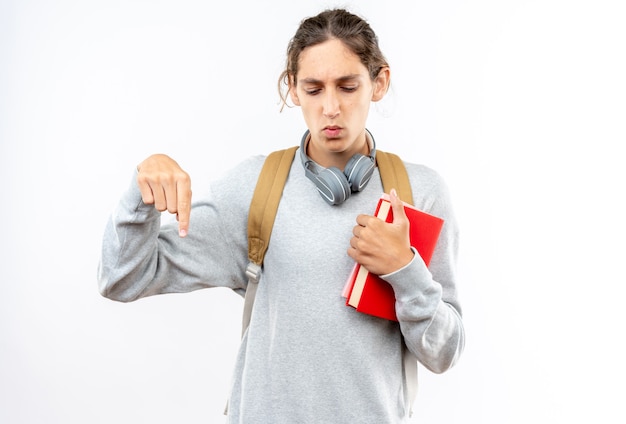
338	159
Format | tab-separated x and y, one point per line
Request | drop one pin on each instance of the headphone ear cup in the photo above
332	185
359	170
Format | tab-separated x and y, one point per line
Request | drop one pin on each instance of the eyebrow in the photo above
346	78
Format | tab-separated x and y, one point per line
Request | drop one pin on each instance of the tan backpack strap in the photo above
263	207
265	201
393	175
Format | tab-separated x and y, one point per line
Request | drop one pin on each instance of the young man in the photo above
305	357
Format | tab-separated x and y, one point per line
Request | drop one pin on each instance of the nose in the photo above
331	105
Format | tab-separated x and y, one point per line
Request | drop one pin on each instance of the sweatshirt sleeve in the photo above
141	256
427	303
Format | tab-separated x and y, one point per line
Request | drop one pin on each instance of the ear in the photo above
381	84
293	92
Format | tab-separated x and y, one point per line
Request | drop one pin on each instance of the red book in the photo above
369	293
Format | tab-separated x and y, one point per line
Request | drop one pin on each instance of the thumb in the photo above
397	205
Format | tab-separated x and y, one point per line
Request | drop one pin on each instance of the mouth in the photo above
332	131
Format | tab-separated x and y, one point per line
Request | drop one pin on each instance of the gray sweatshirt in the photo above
306	356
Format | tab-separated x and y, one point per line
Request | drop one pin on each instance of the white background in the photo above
520	105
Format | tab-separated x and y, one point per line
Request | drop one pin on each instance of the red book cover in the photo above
369	293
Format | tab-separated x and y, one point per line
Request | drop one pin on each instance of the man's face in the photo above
335	91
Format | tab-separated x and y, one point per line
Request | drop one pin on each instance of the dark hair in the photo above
339	24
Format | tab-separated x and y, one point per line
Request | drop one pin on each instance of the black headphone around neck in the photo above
334	185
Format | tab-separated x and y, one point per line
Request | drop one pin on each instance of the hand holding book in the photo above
382	247
365	290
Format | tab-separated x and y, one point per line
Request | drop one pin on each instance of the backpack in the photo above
262	213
